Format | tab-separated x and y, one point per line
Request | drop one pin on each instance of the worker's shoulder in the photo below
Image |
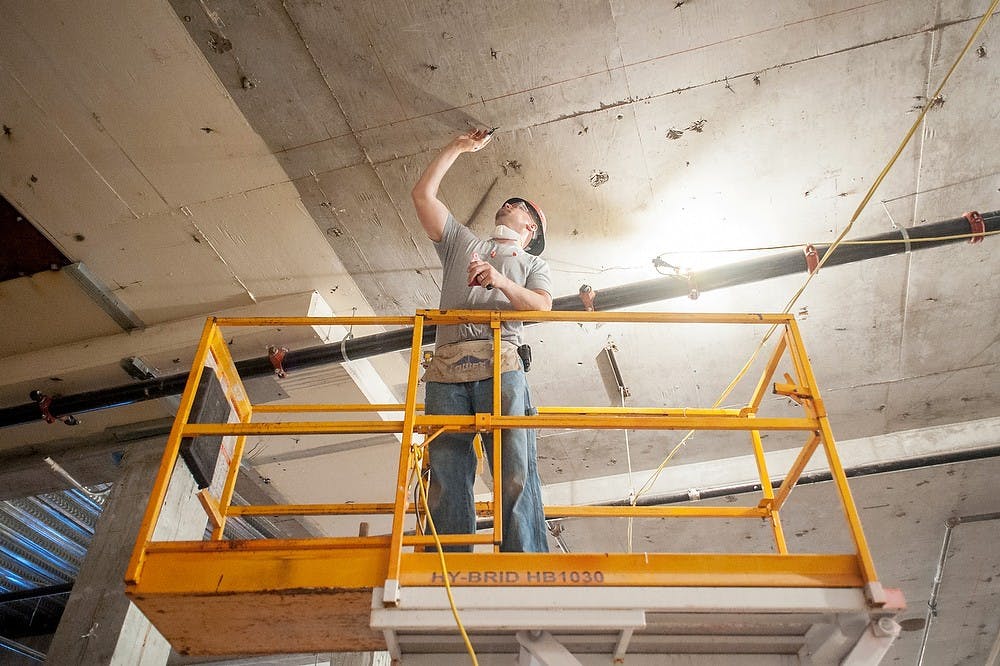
535	262
455	232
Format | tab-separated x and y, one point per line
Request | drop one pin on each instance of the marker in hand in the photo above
474	282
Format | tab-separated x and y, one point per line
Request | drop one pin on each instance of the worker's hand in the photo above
472	140
483	274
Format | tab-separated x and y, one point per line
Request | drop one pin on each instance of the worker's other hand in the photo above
483	274
473	140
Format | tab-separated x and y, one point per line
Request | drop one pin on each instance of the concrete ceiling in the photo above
200	156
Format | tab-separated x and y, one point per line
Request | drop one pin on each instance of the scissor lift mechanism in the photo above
386	591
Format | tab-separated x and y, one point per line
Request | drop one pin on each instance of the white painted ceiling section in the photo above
247	157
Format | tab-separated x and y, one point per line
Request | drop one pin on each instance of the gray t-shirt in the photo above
455	249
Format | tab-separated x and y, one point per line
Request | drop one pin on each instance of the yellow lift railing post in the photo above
764	385
405	459
170	453
217	507
498	526
872	588
768	492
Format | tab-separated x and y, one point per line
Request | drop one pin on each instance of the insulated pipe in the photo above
613	298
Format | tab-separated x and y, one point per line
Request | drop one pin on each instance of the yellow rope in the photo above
837	242
417	463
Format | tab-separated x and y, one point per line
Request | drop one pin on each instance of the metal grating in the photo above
43	541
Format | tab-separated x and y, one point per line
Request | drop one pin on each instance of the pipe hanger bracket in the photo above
978	226
812	258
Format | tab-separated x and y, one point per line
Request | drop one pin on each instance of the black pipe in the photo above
36	593
786	263
613	298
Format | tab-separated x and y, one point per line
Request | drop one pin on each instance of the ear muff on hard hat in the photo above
537	243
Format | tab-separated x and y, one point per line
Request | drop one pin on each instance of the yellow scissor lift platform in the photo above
387	592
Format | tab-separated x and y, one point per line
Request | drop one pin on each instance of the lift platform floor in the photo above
243	598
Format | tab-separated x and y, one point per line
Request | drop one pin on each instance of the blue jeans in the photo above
453	464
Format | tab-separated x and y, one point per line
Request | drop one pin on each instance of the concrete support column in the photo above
100	626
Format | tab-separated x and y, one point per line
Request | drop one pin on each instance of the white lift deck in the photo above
570	626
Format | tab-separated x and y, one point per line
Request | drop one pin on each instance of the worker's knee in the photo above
513	483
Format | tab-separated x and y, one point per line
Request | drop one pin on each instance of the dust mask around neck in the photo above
503	232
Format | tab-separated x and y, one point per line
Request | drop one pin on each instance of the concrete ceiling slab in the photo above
159	282
195	132
63	299
966	625
933	398
259	46
953	167
953	313
673	46
261	60
389	51
682	128
41	165
364	226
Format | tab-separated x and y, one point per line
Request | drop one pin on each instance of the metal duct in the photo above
613	298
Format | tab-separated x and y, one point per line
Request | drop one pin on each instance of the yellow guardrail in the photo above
405	560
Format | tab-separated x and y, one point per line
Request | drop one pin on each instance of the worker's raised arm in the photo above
430	210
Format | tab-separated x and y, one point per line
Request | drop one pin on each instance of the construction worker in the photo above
503	272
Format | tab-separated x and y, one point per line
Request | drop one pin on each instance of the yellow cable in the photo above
931	239
444	569
837	242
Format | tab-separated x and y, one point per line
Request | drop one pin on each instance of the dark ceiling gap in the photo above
25	250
